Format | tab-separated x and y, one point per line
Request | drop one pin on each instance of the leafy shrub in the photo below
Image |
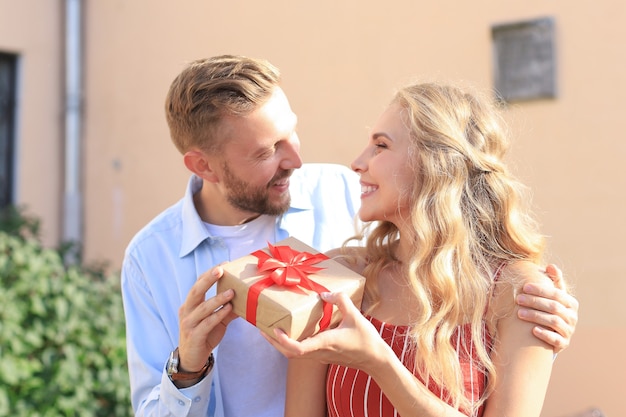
62	341
15	221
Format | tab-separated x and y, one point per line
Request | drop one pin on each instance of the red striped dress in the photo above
353	393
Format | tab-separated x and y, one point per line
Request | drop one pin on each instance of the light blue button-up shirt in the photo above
165	258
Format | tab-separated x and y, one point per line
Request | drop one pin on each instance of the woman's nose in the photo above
359	164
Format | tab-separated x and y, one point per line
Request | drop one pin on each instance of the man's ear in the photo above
199	163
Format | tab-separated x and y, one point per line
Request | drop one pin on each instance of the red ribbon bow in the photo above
287	267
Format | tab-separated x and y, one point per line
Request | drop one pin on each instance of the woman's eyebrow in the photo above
378	135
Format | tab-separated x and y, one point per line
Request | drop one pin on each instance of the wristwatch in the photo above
176	375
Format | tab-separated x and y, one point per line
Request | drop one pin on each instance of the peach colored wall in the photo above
32	30
341	62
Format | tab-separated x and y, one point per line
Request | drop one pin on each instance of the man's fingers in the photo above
556	275
547	299
550	328
208	279
214	326
542	290
197	293
209	311
224	312
541	303
560	293
203	322
546	320
216	308
548	293
549	313
229	317
554	339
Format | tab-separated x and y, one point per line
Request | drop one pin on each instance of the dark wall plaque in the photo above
524	59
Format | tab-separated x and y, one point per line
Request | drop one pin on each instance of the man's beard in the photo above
253	199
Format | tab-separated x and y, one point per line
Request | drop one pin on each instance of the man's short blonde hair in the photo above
209	89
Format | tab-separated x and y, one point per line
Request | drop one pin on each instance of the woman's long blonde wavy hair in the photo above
468	216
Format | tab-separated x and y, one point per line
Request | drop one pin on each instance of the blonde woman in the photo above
452	245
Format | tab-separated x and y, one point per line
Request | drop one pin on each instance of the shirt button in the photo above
181	403
197	399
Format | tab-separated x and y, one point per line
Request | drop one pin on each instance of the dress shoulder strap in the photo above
496	276
498	271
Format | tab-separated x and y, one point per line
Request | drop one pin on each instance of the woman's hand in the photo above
354	343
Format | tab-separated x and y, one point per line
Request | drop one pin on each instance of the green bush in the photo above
62	341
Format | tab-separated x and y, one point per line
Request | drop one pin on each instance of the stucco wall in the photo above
341	62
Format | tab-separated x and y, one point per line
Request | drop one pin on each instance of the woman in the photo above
452	245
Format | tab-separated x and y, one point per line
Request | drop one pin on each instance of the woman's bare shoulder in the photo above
519	273
510	282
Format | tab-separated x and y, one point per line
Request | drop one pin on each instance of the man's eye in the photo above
267	154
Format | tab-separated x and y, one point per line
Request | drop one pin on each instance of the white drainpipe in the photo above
72	210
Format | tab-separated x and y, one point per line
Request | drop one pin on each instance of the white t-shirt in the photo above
252	382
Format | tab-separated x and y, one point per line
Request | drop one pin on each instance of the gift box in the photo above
279	287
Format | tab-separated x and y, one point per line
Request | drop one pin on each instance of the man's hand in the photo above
550	307
202	323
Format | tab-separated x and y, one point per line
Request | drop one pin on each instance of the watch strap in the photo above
176	375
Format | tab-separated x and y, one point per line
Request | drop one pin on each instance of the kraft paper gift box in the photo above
296	309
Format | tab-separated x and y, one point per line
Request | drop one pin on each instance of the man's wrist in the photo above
184	379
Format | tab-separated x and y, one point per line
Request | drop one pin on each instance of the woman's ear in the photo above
198	162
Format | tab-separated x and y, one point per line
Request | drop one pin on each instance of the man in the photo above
237	133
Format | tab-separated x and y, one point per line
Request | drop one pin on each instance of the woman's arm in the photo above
306	388
523	363
409	396
356	343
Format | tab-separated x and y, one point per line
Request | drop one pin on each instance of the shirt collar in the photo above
194	232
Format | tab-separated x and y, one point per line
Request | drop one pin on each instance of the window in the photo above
8	70
524	60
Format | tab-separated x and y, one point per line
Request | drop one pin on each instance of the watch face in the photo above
172	363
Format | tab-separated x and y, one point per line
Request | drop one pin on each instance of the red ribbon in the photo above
287	268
